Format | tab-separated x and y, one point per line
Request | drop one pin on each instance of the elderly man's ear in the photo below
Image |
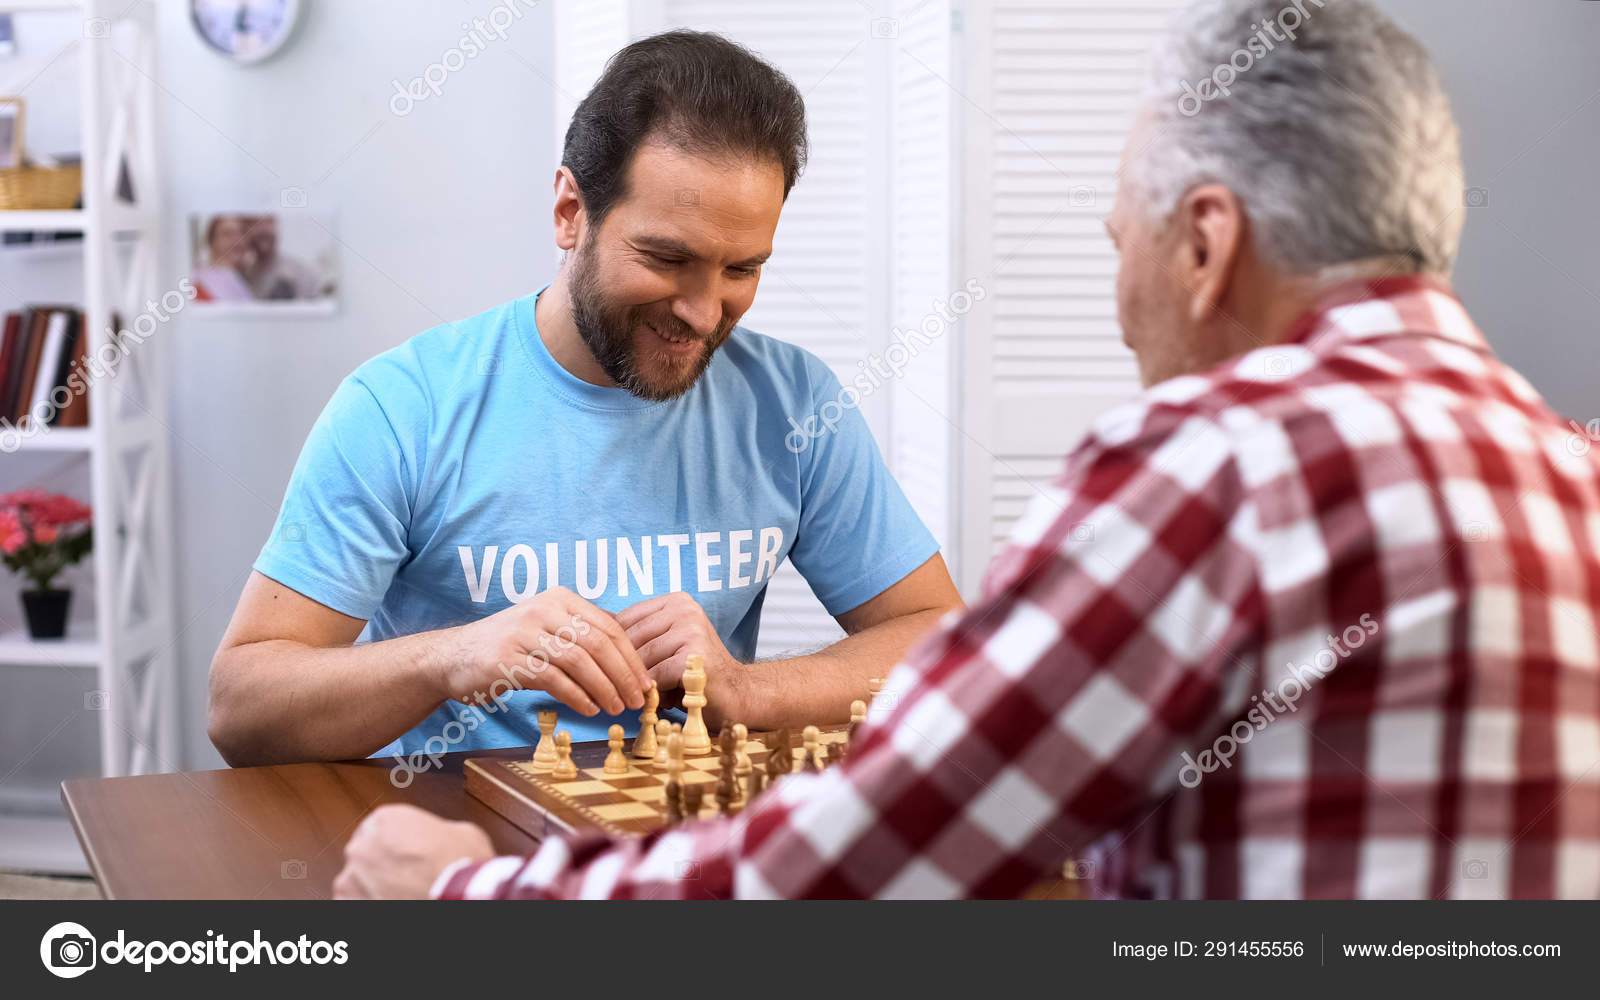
1211	238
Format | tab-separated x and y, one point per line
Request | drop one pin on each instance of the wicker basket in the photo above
40	188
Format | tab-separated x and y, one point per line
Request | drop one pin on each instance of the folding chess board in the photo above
625	805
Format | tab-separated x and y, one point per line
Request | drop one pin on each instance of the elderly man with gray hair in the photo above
1313	617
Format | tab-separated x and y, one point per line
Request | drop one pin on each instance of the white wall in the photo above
441	214
1524	81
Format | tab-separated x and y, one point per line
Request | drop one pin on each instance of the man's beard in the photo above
609	332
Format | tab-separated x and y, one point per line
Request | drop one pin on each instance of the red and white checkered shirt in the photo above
1320	622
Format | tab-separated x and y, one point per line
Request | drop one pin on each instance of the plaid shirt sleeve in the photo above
1119	627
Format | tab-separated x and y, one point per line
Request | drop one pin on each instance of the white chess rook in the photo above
544	755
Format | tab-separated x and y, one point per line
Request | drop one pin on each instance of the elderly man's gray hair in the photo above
1322	116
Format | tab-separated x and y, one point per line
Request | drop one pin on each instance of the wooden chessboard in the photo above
624	805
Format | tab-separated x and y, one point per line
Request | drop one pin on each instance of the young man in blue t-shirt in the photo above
553	503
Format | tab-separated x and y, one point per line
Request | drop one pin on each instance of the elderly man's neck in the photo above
1293	294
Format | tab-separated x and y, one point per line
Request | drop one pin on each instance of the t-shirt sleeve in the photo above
341	533
858	534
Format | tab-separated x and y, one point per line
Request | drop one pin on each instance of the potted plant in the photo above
40	535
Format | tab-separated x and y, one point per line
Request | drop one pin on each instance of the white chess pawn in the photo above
565	769
742	764
675	765
644	745
663	730
616	761
812	737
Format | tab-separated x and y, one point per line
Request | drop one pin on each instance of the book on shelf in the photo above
41	347
48	237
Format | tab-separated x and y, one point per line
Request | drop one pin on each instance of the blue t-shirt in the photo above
466	470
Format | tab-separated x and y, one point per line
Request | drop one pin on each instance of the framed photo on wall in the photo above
277	263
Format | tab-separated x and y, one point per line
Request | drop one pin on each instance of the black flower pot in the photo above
46	611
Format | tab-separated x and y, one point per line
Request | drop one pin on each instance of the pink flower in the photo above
45	534
12	537
38	509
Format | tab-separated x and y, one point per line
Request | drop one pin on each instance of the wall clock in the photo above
246	31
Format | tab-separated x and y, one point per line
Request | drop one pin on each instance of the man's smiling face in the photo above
659	284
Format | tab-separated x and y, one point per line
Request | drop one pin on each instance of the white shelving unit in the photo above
131	643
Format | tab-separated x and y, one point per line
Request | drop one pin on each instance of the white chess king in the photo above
696	740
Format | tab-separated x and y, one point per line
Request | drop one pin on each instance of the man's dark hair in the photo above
693	89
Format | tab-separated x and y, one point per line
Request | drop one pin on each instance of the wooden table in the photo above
277	832
273	832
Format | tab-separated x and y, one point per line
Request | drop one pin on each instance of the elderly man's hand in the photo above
398	852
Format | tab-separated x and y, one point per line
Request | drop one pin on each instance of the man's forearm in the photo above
817	689
279	701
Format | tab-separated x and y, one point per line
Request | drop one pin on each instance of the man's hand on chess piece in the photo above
665	630
555	642
399	851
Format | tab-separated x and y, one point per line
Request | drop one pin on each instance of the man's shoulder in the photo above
1202	418
1273	384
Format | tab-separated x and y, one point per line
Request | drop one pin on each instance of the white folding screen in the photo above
587	32
922	268
1049	94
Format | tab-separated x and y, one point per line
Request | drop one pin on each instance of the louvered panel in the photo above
922	221
1018	479
588	32
792	619
1058	82
1062	121
815	292
1051	347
